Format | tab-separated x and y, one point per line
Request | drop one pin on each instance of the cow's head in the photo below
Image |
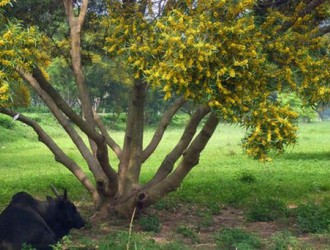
66	214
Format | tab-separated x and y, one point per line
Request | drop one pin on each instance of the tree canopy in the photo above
227	57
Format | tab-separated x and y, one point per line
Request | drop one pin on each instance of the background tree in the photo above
305	113
228	57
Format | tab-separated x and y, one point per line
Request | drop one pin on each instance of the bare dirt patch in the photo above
202	227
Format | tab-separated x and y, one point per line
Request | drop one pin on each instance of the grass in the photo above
224	176
236	238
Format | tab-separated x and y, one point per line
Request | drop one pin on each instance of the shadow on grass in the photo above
307	156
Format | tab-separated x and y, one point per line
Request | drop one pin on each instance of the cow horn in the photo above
54	190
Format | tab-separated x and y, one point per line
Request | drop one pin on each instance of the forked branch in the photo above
190	159
167	165
93	164
65	108
75	25
158	135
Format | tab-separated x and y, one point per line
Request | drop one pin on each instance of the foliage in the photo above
3	93
266	210
235	238
313	218
61	75
27	247
20	48
305	113
3	84
119	240
188	232
6	122
247	177
150	223
190	50
283	241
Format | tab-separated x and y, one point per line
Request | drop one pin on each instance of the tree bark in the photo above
162	127
101	149
155	190
189	160
167	165
131	156
95	167
65	108
75	25
108	187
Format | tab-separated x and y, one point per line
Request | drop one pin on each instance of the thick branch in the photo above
102	152
83	12
168	164
66	109
93	164
162	127
75	25
99	150
190	159
60	156
130	159
134	131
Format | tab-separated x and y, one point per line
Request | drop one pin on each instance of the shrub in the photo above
266	210
150	223
167	204
6	122
283	241
313	218
27	247
235	238
188	233
247	177
121	240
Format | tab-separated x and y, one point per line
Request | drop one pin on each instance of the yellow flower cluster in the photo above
217	53
19	47
4	2
270	127
4	92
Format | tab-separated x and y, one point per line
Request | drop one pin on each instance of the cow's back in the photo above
19	223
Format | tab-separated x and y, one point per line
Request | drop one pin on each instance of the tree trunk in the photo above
144	196
131	156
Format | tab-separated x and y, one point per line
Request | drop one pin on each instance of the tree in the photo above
227	57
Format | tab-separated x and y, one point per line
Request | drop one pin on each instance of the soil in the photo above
204	225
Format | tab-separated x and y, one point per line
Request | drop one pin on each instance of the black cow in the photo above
37	223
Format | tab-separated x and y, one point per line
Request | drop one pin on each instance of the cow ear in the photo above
65	195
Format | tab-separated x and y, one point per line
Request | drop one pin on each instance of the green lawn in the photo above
302	173
225	176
